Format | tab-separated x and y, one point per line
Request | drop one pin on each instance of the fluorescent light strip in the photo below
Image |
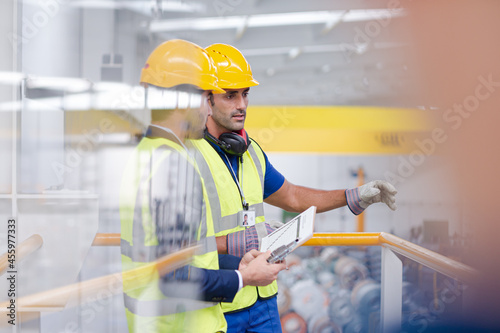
325	48
96	4
11	78
128	99
58	83
140	6
372	14
269	20
110	86
167	99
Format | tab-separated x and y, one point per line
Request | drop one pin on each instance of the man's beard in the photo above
228	124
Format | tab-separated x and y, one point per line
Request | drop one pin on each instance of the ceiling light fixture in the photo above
270	20
324	48
140	6
58	83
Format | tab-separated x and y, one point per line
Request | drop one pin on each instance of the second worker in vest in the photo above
239	178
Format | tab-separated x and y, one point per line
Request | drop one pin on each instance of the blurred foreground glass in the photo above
460	75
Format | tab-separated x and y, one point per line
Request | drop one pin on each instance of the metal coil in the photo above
365	297
350	271
322	324
293	323
308	299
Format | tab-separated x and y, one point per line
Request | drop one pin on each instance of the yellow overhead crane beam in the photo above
337	129
301	129
104	121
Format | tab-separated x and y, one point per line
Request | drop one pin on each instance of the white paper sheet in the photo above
300	227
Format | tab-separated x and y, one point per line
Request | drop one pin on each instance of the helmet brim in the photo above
238	85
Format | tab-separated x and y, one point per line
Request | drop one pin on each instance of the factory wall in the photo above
425	195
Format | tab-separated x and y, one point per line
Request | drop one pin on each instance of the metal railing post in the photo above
391	293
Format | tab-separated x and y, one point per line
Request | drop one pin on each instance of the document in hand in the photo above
292	234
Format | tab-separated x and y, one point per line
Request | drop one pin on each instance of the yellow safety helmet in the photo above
233	70
177	62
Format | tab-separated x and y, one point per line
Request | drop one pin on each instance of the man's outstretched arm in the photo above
294	198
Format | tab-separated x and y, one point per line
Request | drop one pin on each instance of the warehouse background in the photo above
341	88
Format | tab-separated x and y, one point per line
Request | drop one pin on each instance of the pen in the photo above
281	252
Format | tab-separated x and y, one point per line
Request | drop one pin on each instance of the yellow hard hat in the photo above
177	62
233	70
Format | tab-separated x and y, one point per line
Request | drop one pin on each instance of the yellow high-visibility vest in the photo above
147	308
225	202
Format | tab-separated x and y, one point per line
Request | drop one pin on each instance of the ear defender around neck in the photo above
230	142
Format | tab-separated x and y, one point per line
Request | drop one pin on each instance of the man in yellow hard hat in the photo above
164	205
242	179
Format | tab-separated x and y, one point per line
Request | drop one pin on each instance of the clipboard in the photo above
290	235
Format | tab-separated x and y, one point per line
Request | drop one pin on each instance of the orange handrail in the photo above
436	261
102	287
24	249
344	239
408	249
112	239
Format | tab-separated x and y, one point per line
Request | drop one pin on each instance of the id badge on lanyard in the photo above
246	218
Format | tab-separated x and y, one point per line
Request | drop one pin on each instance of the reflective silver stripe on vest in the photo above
208	244
140	252
210	187
256	160
203	228
231	221
156	308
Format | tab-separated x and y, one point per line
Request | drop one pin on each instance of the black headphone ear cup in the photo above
236	144
231	143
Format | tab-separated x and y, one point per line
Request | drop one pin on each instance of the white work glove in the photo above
359	198
275	224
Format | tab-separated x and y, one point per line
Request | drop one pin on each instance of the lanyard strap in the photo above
242	195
